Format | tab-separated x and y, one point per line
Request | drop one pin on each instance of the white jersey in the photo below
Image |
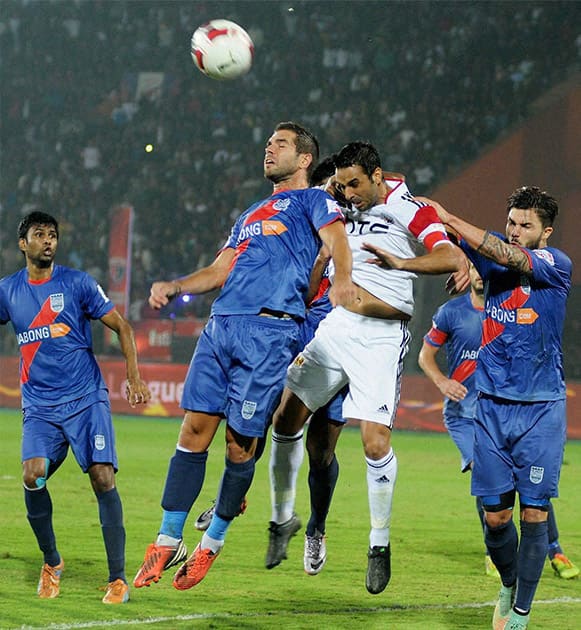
401	225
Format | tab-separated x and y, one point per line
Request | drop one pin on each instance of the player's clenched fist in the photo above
162	292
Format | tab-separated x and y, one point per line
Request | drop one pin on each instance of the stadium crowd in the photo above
88	84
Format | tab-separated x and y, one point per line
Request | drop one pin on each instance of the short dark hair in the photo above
361	154
532	197
306	142
321	173
36	217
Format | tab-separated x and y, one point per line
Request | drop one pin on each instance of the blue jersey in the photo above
276	244
458	324
51	320
521	357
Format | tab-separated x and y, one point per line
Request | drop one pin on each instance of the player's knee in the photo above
533	510
376	446
282	420
319	457
35	473
33	482
102	478
498	508
317	448
291	415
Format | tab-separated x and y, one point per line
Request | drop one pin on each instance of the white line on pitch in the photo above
195	617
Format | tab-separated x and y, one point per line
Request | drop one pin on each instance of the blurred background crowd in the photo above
88	84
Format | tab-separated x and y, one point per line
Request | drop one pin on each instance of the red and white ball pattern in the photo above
222	50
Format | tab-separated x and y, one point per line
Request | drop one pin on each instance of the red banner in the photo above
165	381
120	238
156	338
420	406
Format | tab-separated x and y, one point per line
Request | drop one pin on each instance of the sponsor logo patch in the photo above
526	316
273	227
59	330
333	207
543	254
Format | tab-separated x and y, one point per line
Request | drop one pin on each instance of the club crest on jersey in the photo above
57	302
248	409
536	474
281	205
99	442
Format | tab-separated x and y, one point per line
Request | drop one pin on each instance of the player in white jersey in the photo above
361	345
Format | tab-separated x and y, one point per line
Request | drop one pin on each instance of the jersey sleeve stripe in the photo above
436	337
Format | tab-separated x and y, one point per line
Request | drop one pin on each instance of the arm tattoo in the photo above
505	254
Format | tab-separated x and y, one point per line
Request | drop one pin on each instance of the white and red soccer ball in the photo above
222	50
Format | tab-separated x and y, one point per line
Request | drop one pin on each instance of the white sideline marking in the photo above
384	609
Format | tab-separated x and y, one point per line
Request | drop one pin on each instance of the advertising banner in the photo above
420	406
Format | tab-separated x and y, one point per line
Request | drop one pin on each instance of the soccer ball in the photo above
222	50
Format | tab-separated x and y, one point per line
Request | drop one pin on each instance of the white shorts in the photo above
364	352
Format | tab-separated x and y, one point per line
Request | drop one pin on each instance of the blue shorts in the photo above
518	446
239	368
461	431
84	424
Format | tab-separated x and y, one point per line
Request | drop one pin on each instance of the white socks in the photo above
286	457
381	476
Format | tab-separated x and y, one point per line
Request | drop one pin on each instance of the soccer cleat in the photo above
50	580
194	569
378	569
278	539
563	567
517	622
315	554
157	559
503	607
491	570
117	592
203	521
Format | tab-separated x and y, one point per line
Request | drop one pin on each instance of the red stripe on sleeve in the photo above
436	336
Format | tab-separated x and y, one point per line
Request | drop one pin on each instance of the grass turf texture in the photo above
438	578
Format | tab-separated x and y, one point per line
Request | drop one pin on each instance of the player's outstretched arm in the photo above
448	387
137	390
444	258
201	281
484	242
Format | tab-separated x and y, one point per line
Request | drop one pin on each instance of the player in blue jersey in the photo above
457	325
520	422
238	368
325	425
64	398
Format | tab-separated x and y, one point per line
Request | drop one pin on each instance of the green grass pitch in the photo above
438	578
